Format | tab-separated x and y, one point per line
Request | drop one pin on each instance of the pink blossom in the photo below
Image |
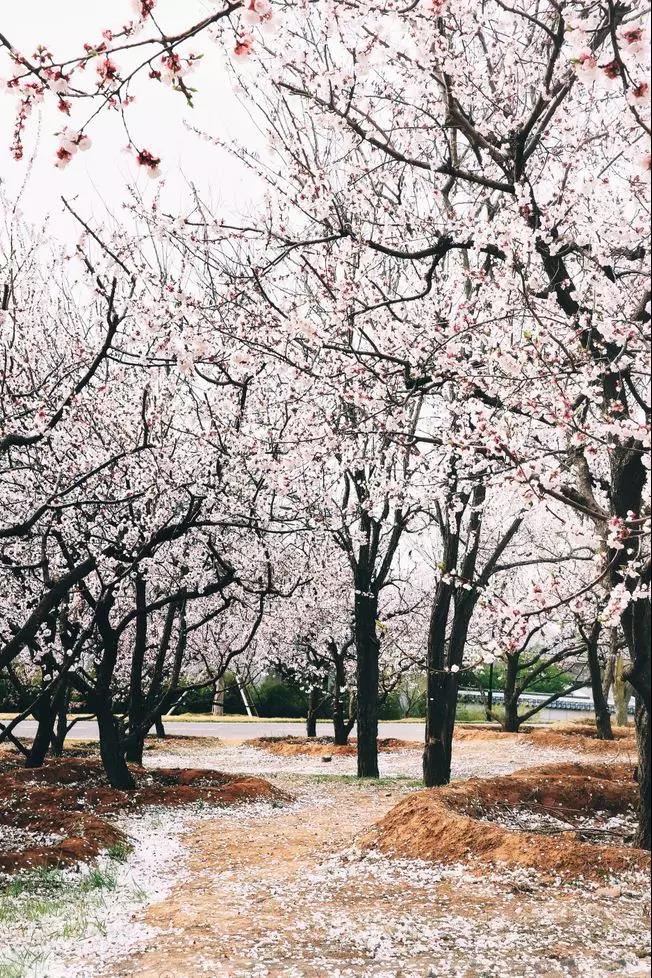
143	8
586	66
150	162
639	94
63	158
258	12
244	46
634	39
612	69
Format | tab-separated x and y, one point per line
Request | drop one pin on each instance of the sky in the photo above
159	120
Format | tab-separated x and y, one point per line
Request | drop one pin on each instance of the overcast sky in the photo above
97	179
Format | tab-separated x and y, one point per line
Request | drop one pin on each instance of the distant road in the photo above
87	730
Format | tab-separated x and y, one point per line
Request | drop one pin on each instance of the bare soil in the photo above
291	895
62	808
449	824
578	736
324	746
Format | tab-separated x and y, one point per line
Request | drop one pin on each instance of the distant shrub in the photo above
392	708
275	698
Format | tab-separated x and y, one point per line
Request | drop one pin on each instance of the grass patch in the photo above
119	852
36	882
98	879
11	970
402	780
54	904
14	969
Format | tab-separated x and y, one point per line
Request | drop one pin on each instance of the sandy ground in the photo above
286	893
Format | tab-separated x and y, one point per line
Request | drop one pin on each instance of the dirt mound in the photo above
324	746
62	806
449	825
581	737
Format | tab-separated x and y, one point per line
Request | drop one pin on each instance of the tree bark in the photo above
61	726
342	723
440	722
111	751
438	750
160	727
622	693
600	705
511	723
43	738
111	747
368	675
313	707
217	708
136	741
643	838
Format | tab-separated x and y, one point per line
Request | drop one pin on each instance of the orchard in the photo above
324	368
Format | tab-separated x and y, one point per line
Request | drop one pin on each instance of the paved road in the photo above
86	730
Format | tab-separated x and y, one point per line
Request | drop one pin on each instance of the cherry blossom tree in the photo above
444	297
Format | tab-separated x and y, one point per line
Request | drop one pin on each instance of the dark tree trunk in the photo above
61	726
441	689
511	722
342	723
136	739
440	724
367	648
602	715
643	774
43	738
313	709
342	726
134	749
111	749
160	727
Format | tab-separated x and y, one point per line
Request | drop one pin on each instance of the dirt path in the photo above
282	894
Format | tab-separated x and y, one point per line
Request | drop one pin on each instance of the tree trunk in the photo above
601	707
61	727
134	749
136	741
622	693
368	674
160	728
342	724
643	774
437	753
313	707
440	722
511	722
43	737
217	708
111	750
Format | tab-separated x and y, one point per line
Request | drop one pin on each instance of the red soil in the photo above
324	746
68	797
443	825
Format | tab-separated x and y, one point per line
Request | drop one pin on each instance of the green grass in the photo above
49	893
12	969
50	902
119	852
98	879
401	780
35	883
